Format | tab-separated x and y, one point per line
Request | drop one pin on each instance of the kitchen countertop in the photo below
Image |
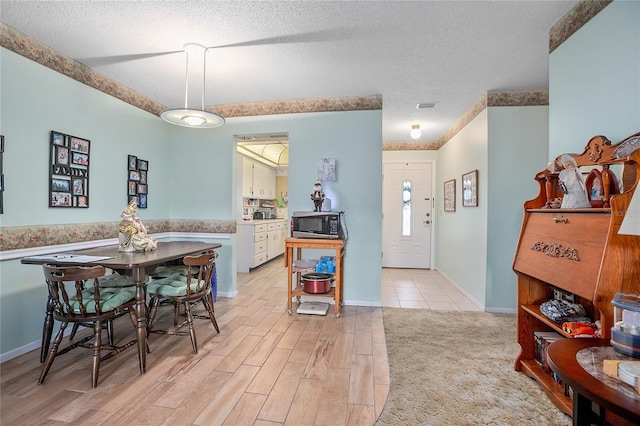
256	221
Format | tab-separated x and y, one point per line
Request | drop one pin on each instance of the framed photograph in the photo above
142	201
60	199
82	202
60	185
450	196
133	162
134	198
79	145
62	155
143	176
134	175
57	138
79	159
142	189
78	187
133	188
143	165
470	189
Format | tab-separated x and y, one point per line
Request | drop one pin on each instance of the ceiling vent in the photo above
426	105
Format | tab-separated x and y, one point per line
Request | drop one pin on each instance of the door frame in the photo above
434	192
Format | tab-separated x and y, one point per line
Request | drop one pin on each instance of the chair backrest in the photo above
200	270
75	290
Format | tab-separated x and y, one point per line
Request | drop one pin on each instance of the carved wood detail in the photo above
556	250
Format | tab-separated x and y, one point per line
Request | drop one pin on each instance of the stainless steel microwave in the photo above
329	225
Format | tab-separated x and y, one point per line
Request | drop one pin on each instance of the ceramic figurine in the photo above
317	196
572	185
132	234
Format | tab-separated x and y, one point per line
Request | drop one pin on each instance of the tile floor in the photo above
422	289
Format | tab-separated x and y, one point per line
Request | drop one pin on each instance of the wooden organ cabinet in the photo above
577	250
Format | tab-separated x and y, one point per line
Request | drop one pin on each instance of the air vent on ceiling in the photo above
426	105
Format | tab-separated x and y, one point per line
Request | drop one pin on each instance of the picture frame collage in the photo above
69	171
469	192
137	184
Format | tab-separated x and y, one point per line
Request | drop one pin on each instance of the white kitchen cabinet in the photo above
258	180
259	242
264	181
247	177
275	239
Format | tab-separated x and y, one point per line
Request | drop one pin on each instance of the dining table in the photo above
136	264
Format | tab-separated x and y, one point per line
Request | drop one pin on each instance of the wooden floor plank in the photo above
265	368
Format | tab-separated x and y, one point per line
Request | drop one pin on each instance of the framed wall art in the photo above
450	196
470	189
327	169
68	171
137	180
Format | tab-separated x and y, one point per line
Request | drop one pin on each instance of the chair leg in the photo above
153	305
74	330
110	331
47	330
192	330
52	353
97	343
207	301
176	313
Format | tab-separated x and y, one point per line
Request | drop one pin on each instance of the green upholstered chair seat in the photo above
174	285
168	271
116	280
110	298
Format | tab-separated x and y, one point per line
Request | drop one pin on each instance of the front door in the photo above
407	215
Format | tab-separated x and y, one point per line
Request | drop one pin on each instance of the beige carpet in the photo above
456	368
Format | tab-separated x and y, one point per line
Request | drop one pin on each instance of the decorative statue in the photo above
317	196
571	183
132	232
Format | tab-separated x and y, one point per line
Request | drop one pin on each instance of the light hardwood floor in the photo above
266	367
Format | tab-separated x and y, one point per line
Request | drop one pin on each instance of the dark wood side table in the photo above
578	362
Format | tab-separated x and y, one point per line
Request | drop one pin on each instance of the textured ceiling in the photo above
447	52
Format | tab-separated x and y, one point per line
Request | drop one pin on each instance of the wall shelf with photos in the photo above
137	188
68	171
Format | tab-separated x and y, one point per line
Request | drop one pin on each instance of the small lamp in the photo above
415	131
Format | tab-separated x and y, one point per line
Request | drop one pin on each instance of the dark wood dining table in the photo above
136	264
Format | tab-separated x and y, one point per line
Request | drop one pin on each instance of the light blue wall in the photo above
461	236
36	100
191	176
518	144
476	245
594	83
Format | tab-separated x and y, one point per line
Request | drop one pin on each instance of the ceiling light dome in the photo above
415	131
191	117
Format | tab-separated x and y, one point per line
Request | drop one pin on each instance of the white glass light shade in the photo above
631	222
195	118
189	117
415	131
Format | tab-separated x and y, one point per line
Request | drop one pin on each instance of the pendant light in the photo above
190	117
415	131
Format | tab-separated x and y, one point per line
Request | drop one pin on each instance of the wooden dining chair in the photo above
109	280
76	297
185	289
